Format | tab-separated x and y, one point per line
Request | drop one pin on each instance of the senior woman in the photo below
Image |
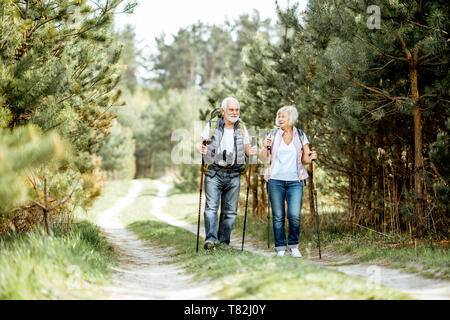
289	152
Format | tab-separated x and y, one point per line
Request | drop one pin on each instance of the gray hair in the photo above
292	113
228	99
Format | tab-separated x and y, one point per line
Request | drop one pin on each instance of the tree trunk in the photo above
46	224
413	60
418	156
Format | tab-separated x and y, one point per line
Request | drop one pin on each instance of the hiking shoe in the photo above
295	253
209	245
280	253
224	246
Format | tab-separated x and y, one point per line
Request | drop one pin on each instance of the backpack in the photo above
301	134
216	114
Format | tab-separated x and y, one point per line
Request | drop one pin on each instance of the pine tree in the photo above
362	93
117	152
21	150
58	71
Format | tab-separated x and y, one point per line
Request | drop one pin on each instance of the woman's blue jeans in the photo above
291	192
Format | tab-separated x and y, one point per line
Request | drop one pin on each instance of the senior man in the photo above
224	154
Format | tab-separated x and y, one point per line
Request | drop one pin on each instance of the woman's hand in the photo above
312	155
268	142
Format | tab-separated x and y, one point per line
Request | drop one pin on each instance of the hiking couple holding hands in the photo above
224	156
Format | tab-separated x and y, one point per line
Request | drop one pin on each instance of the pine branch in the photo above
350	77
427	27
34	183
382	68
26	8
318	10
20	10
405	49
380	51
437	173
339	13
66	198
42	23
45	188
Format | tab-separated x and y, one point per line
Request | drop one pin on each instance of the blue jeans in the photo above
291	192
224	188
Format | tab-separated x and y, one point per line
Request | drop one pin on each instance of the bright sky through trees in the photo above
153	17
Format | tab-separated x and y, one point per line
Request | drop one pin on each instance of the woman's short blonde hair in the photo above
292	114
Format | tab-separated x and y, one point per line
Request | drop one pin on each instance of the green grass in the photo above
362	246
67	265
140	208
113	190
426	258
244	275
184	206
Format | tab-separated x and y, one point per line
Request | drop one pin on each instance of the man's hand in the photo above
201	148
252	150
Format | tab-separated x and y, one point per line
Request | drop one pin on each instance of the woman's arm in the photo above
308	156
263	154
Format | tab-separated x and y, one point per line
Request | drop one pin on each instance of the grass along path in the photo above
143	272
410	283
338	247
68	265
244	275
74	263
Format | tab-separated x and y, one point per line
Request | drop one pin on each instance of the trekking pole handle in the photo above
313	170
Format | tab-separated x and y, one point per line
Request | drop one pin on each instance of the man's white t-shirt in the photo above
227	142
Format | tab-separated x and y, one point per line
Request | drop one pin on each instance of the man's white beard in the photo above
232	119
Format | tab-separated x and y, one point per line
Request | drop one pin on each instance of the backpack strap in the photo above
272	134
301	134
211	130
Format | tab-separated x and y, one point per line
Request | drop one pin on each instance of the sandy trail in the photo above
417	286
141	273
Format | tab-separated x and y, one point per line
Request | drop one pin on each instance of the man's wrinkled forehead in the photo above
232	105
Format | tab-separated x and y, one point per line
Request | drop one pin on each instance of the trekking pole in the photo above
317	212
248	187
200	200
269	153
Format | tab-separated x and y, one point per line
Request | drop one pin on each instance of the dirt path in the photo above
416	286
141	273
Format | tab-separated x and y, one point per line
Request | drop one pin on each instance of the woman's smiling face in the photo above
283	119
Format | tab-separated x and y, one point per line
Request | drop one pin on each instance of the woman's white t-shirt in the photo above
286	166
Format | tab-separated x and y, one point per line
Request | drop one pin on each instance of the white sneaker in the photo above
295	253
280	253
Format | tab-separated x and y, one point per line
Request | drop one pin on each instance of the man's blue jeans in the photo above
291	192
223	188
